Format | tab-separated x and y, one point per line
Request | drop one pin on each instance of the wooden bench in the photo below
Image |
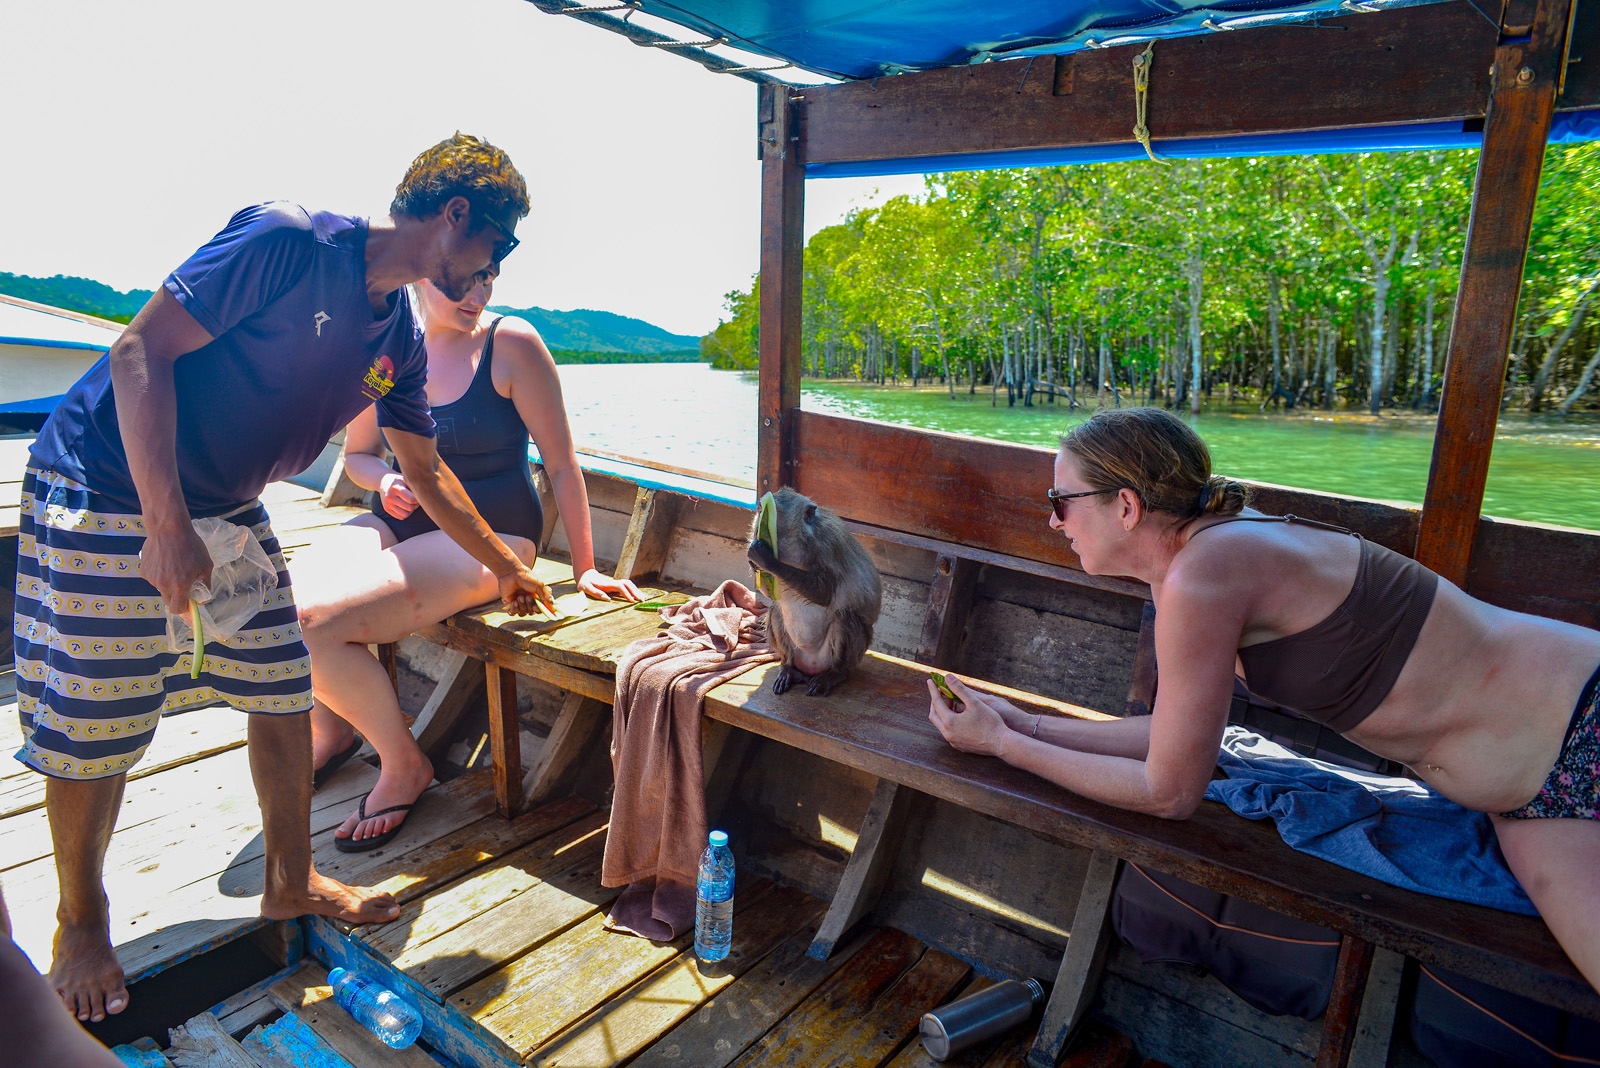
878	724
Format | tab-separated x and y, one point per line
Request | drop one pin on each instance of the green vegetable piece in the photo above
199	640
944	687
767	534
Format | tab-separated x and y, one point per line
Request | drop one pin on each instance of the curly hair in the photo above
1158	456
463	166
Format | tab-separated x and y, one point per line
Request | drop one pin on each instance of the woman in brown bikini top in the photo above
1487	704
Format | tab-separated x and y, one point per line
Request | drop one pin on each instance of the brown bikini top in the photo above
1339	670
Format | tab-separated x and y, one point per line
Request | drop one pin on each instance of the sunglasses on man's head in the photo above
1058	500
506	247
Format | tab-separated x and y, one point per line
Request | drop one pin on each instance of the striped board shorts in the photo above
94	671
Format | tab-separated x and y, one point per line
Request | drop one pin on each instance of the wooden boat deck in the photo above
501	937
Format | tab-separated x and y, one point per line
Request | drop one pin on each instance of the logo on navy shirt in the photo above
380	378
320	318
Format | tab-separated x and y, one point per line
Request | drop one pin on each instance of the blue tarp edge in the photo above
1568	127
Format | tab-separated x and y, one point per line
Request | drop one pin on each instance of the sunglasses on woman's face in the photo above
1058	500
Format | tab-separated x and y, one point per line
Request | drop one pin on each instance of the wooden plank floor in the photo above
513	965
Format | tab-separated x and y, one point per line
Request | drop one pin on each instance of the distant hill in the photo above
587	330
584	336
76	294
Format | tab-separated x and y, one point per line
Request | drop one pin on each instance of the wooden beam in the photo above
1375	1025
1081	964
782	251
723	752
1413	65
1142	690
648	540
1344	1002
578	726
992	509
341	488
877	845
390	661
944	626
547	504
1515	130
505	739
460	687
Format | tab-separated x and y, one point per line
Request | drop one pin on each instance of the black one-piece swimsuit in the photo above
485	443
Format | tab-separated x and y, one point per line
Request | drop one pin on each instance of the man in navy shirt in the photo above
258	348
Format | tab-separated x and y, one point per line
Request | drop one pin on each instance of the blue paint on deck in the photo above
140	1058
291	1041
446	1030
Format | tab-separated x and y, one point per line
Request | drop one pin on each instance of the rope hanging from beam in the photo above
1141	99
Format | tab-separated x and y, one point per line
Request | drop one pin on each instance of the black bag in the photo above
1462	1023
1278	964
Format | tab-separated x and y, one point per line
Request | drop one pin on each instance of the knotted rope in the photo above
1141	98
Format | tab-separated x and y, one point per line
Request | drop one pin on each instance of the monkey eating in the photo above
828	598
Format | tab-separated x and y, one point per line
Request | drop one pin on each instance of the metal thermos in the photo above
967	1021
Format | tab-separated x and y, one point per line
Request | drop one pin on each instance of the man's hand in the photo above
398	500
522	594
172	561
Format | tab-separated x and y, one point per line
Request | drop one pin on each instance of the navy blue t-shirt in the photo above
296	354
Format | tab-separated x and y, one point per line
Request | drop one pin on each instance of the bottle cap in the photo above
719	838
335	975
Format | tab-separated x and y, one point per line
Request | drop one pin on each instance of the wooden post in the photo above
1344	1002
1521	99
505	739
877	845
782	248
944	625
1081	964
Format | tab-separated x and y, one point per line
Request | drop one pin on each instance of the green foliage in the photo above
569	356
1315	280
733	345
76	294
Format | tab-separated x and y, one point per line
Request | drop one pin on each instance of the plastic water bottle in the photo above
377	1008
713	914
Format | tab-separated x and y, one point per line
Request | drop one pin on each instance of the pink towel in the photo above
658	812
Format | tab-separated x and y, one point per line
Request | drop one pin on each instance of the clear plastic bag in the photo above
242	578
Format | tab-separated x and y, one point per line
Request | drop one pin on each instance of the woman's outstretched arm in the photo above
535	388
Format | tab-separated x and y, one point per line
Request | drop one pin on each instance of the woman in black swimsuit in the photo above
1494	708
491	383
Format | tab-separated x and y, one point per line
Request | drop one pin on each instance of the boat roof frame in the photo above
1511	70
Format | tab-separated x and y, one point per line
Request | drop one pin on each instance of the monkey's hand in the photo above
761	557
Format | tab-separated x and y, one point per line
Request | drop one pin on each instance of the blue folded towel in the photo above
1396	830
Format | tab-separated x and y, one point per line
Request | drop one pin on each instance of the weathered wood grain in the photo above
725	1026
863	1013
534	907
202	1043
427	916
1344	1002
180	739
535	998
1079	977
783	198
944	627
877	844
288	1043
460	686
578	728
643	1013
505	739
648	540
1521	103
1415	65
878	723
434	864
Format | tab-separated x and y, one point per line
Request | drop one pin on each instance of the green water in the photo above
1544	470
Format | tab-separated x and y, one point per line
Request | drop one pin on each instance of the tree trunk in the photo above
1542	380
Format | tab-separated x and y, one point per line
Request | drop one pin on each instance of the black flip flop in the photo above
351	845
335	762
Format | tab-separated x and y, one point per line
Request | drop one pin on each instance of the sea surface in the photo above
1544	469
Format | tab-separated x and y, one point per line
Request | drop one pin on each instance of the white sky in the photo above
131	129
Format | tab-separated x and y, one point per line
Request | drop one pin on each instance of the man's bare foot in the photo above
85	971
325	897
396	786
